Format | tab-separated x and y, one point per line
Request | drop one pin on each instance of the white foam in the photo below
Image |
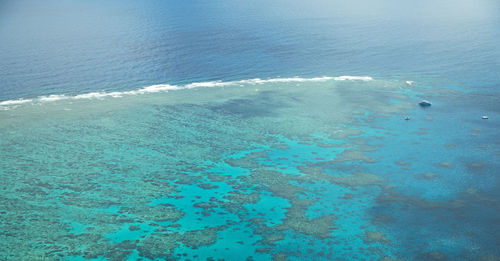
91	95
15	102
148	89
53	97
167	87
153	89
208	84
353	78
285	80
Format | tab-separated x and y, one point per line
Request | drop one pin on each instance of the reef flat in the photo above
323	169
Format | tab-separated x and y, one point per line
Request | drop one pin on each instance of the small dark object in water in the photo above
407	118
425	103
484	117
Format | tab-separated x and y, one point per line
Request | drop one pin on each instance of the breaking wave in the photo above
5	105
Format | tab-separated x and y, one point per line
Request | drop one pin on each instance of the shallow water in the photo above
171	130
314	168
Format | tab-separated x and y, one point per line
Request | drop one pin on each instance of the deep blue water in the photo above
60	47
159	142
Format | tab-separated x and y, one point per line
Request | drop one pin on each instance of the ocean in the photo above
249	130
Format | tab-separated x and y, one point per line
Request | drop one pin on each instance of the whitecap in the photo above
286	80
54	97
91	95
208	84
15	102
167	87
153	89
353	78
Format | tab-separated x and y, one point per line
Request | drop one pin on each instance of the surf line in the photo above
168	87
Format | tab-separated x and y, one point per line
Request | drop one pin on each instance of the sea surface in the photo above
249	130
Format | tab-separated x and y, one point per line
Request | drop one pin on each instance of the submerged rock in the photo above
425	103
489	258
429	176
375	237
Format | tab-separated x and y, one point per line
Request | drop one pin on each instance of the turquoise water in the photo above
289	169
170	130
